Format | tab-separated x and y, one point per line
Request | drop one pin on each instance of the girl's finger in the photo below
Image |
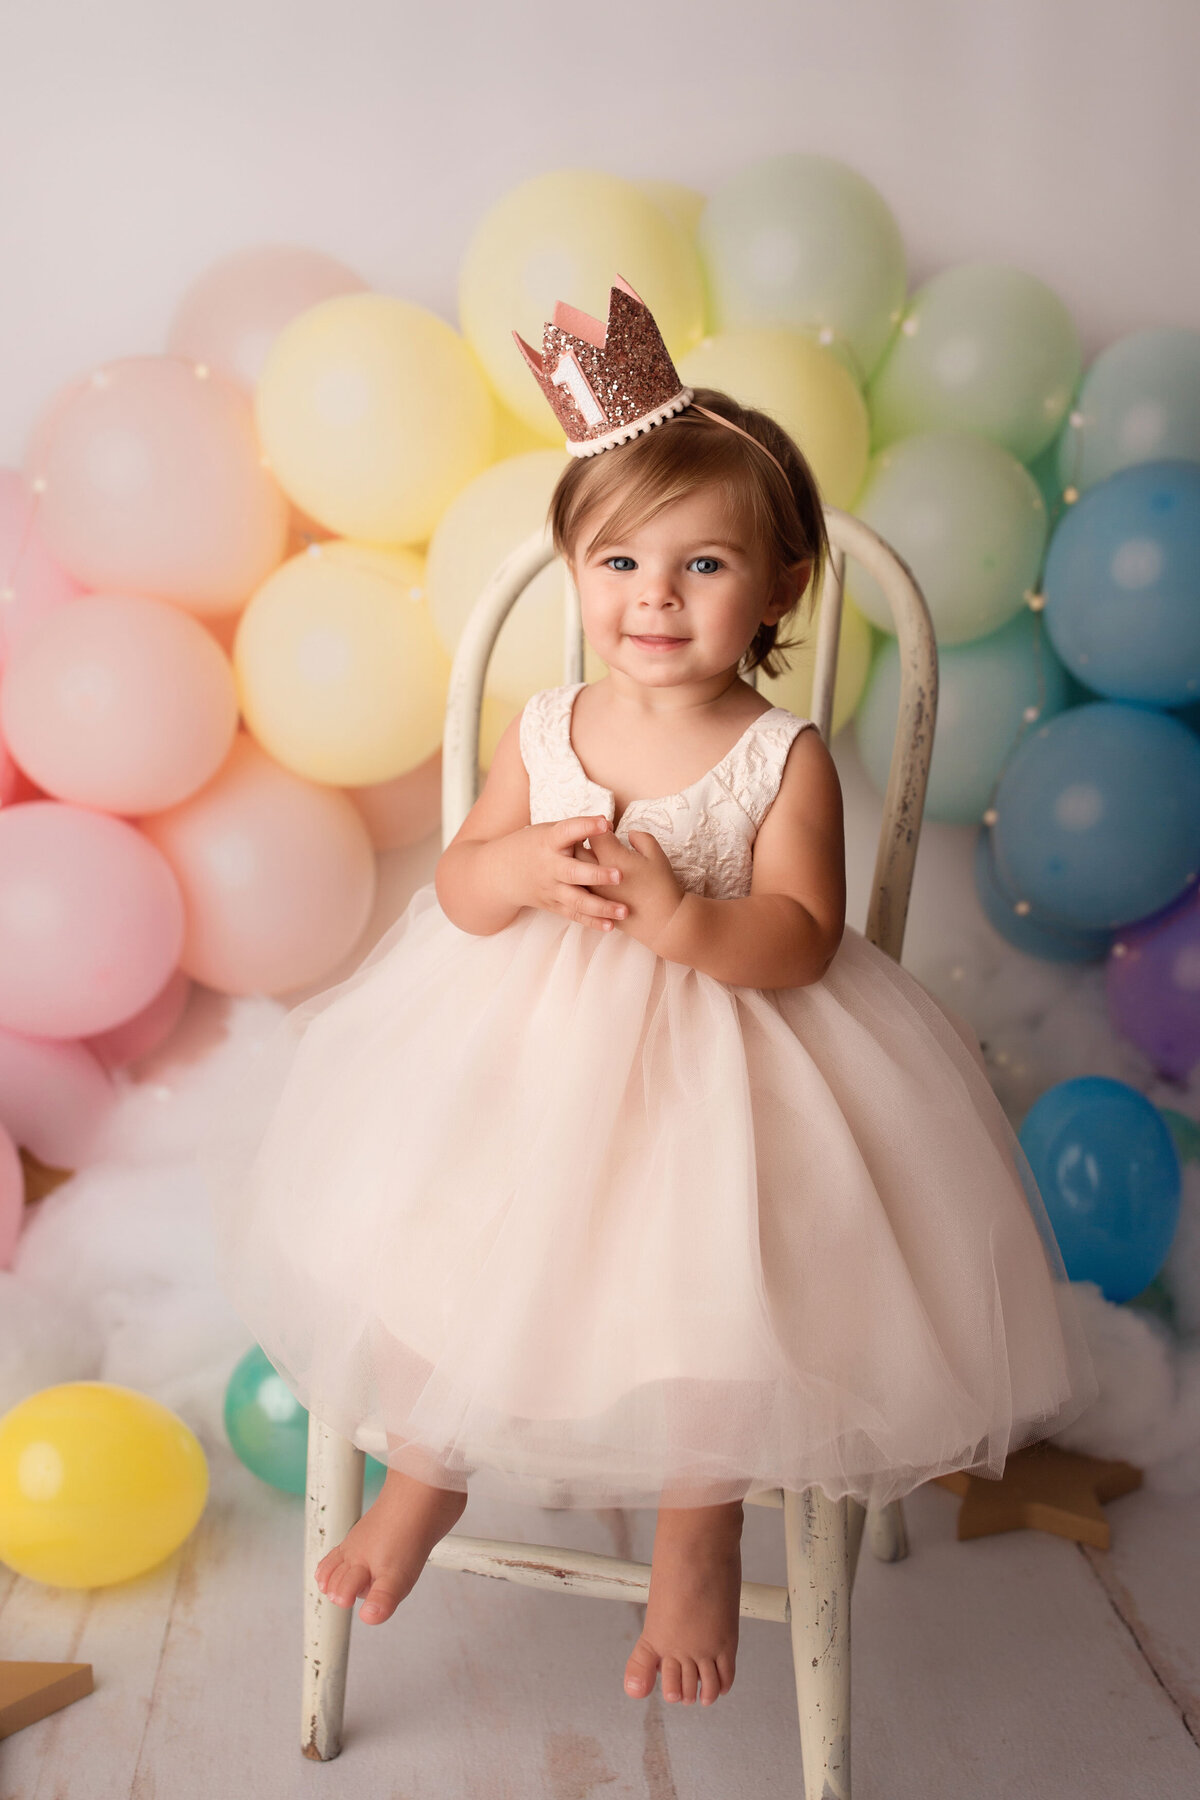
585	873
573	831
591	906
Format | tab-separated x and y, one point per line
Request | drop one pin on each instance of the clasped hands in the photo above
626	887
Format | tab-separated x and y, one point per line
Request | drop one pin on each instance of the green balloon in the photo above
1185	1134
1138	402
806	241
984	689
968	520
268	1427
983	348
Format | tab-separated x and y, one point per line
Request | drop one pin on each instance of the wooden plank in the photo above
1151	1575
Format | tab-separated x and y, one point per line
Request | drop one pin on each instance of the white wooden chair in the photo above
821	1537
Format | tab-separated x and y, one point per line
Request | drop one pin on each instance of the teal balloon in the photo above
1098	815
806	241
1122	585
1027	931
983	347
268	1428
1108	1172
985	690
1157	1301
968	520
1139	401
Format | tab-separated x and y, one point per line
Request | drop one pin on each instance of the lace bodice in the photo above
707	829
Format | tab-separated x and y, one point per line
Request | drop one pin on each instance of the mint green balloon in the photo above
968	520
806	241
986	691
1139	401
984	348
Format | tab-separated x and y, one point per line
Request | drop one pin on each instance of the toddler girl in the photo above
623	1172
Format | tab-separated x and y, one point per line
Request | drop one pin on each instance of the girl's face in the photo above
680	597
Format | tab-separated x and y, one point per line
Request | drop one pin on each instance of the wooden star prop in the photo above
31	1690
1046	1489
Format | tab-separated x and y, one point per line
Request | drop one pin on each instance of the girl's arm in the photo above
497	862
785	932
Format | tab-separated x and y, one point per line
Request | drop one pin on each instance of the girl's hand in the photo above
549	868
648	884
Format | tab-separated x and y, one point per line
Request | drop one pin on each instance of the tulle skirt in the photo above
544	1213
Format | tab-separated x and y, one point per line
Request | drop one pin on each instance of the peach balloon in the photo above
119	702
54	1096
232	314
278	875
405	810
155	483
340	672
91	920
32	584
12	1199
146	1031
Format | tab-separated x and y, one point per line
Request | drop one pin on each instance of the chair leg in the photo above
815	1532
333	1502
886	1532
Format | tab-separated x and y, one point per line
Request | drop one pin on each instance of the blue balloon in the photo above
1109	1174
1138	402
984	689
1098	815
1027	931
1122	585
268	1427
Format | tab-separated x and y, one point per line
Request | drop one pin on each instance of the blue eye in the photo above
712	562
626	562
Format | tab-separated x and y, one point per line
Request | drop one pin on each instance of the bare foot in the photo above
691	1628
383	1554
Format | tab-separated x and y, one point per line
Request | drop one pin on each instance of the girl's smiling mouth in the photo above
659	643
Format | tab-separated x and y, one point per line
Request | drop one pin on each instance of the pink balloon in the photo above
32	584
12	1199
230	317
155	484
148	1030
120	703
54	1096
91	920
277	872
405	810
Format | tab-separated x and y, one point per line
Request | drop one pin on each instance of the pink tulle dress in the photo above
546	1213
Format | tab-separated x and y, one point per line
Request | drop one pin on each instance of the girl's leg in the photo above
691	1627
383	1554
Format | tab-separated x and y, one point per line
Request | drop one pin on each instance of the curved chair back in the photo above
911	749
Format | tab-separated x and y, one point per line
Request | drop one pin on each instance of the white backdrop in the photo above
140	141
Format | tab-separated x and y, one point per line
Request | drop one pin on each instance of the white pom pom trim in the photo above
623	433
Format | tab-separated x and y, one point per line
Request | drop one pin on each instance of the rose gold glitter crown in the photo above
606	383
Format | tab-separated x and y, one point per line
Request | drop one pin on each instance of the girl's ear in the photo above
791	584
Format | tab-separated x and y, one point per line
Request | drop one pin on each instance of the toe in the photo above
710	1682
725	1669
688	1676
641	1670
380	1603
672	1679
347	1582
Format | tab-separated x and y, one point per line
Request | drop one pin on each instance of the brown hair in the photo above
633	482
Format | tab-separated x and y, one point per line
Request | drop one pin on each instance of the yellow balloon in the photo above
373	414
683	204
804	387
566	236
98	1483
514	437
794	688
488	520
340	673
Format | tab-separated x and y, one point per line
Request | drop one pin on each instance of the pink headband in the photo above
609	383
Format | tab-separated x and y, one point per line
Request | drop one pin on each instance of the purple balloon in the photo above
1153	982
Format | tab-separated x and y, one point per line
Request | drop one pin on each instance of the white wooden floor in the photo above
1014	1665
